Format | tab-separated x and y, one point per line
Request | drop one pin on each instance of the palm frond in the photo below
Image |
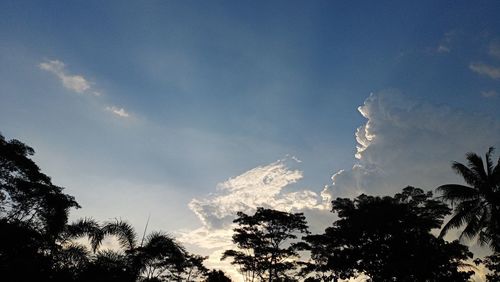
123	231
456	193
475	222
469	176
495	175
476	164
489	161
463	212
85	227
158	242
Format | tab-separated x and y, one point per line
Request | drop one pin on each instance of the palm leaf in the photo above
489	161
476	164
469	176
462	213
123	231
457	193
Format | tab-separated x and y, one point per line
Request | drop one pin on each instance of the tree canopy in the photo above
388	239
265	242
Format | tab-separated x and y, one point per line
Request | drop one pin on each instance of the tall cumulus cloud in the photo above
407	142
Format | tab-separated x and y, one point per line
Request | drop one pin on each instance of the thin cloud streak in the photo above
483	69
76	83
489	94
121	112
494	50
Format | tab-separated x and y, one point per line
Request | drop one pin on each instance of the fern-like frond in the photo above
123	231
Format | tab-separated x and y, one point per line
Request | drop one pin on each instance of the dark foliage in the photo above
265	243
33	214
477	207
492	262
217	276
37	244
388	239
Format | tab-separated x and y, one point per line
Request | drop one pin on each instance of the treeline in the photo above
385	238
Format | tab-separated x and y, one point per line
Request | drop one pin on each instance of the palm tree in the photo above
476	206
157	254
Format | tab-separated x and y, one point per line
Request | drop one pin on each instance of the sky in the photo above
189	111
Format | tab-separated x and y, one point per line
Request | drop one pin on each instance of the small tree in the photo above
265	243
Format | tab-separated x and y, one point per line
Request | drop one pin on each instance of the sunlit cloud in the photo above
488	70
76	83
121	112
259	187
263	186
405	142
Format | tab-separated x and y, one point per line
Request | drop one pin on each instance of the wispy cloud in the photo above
121	112
489	94
444	45
76	83
259	187
484	69
494	50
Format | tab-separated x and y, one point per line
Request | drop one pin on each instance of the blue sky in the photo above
140	107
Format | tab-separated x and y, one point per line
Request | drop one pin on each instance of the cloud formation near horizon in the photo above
259	187
263	186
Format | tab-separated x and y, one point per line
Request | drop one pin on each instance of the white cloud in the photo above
489	94
76	83
121	112
406	142
258	187
262	186
483	69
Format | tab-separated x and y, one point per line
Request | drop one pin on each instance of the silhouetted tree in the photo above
265	243
389	239
33	214
476	206
159	257
217	276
